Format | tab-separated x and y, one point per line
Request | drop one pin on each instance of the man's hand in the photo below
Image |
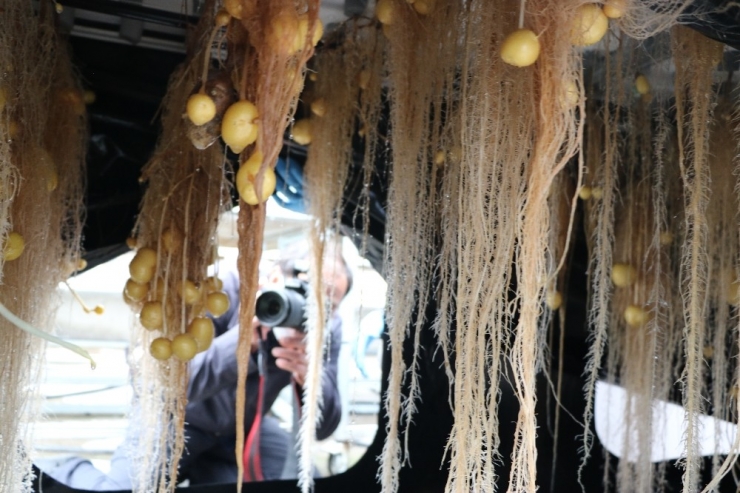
291	355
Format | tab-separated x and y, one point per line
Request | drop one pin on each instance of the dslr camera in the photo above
284	307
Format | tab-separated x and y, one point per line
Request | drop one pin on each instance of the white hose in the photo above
23	325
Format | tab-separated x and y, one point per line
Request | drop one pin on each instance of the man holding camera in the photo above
211	411
210	416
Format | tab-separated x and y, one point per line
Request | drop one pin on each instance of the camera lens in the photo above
281	308
271	308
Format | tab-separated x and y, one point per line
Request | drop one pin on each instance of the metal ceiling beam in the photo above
134	11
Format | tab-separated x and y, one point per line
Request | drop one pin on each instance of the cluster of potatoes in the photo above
522	47
146	292
626	276
623	276
238	121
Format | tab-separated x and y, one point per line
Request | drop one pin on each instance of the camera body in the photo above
284	307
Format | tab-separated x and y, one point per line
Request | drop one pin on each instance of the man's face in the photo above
334	276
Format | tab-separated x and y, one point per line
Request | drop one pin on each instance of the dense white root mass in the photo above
326	172
43	131
176	228
488	160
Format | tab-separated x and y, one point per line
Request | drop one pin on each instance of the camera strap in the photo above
252	459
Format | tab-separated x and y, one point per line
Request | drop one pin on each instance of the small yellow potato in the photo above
52	180
385	11
161	348
217	303
140	273
136	291
143	265
99	309
615	9
585	192
51	177
635	316
200	109
283	33
14	246
147	256
589	25
642	85
553	299
184	347
313	76
152	315
423	7
246	179
520	48
708	352
212	284
570	96
597	193
666	238
439	157
623	275
223	17
318	107
318	31
238	127
302	132
69	267
48	168
189	292
234	8
201	329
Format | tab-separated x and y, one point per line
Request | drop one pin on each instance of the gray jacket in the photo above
213	374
